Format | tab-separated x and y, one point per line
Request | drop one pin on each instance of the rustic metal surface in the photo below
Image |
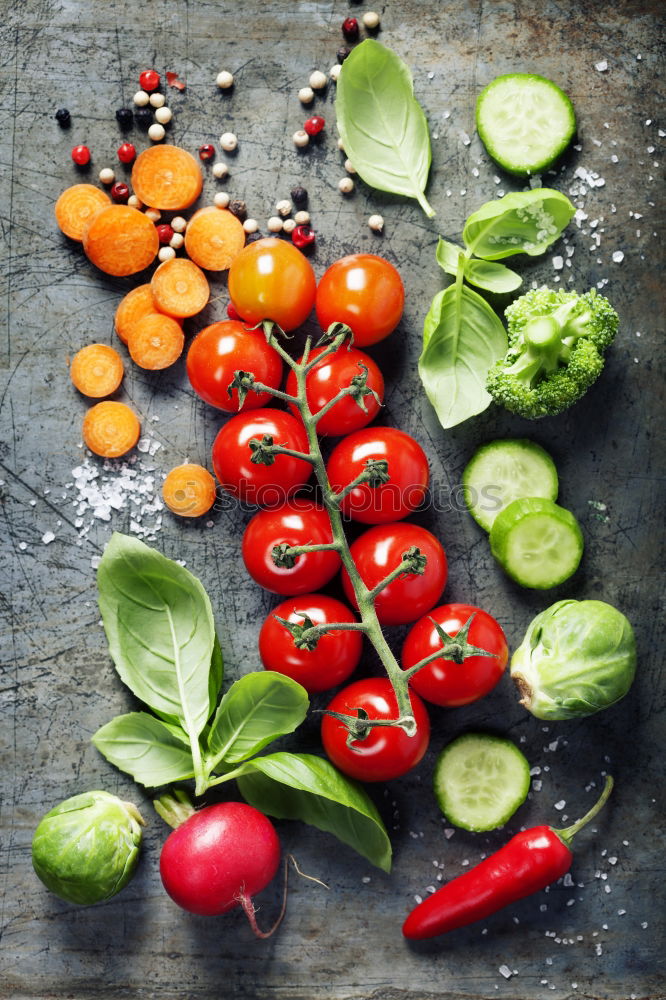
599	937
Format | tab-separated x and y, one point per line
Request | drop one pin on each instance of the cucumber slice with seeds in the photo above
503	471
525	122
480	780
537	543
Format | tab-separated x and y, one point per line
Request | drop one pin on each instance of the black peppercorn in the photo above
299	196
238	208
63	117
342	54
253	237
124	117
143	117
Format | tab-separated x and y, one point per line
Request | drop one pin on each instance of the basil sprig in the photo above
462	335
159	625
382	126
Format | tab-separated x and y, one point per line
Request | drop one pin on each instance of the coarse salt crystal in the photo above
558	264
561	804
601	66
505	971
617	257
48	537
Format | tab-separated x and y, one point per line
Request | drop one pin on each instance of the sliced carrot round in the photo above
189	490
155	341
121	240
166	177
133	307
77	206
180	288
97	370
214	236
111	429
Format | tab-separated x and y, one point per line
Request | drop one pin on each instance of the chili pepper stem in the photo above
569	832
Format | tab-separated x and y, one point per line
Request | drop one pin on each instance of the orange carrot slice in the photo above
166	177
214	236
97	370
155	341
110	429
133	307
120	240
77	206
180	288
189	490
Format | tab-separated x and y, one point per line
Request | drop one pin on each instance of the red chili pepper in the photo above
529	862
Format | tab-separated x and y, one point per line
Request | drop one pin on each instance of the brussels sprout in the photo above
577	657
86	849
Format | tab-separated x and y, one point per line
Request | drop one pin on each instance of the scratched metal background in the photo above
58	684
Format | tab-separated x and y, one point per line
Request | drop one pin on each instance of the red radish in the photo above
219	858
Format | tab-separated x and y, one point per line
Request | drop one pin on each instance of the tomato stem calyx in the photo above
360	726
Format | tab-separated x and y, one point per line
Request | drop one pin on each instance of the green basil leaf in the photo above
159	625
448	255
256	710
382	126
141	745
492	276
462	338
309	788
520	222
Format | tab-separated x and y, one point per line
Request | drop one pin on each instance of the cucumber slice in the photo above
537	543
525	122
503	471
480	781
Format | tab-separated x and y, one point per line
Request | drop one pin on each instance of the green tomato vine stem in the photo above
412	561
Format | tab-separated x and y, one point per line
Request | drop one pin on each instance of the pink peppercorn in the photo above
120	193
165	233
81	156
314	125
350	28
207	151
126	152
303	237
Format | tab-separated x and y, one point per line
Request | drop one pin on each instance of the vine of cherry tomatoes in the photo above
272	280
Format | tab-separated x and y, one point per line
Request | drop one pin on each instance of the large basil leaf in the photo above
462	338
255	710
159	625
520	222
382	126
309	788
146	748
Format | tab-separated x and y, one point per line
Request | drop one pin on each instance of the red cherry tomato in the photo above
365	292
335	656
325	380
407	469
299	522
224	348
444	682
379	551
271	279
264	485
388	751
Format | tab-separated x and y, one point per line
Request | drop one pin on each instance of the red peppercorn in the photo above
126	152
81	155
314	125
303	237
149	80
232	312
207	151
350	28
120	192
165	233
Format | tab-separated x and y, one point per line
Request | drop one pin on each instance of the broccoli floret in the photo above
557	341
